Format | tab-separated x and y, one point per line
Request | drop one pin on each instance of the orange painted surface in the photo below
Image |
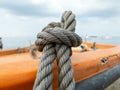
100	46
18	71
13	51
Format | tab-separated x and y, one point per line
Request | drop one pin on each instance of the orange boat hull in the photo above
18	71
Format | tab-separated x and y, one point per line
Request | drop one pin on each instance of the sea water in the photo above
18	42
115	40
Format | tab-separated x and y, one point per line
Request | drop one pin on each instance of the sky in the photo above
29	17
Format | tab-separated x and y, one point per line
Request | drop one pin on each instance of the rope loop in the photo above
57	36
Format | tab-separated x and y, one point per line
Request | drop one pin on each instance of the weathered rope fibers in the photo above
55	41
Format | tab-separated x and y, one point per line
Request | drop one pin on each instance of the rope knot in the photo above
57	36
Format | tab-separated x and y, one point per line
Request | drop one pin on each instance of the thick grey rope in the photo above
66	77
44	75
61	38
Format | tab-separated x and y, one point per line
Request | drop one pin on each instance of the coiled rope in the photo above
55	41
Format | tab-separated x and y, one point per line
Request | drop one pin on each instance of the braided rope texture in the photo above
55	41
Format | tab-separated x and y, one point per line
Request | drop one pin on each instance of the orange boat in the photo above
92	68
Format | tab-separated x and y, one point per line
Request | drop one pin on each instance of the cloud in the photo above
27	9
101	13
52	8
28	17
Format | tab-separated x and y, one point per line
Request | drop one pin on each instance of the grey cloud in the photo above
102	13
28	9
